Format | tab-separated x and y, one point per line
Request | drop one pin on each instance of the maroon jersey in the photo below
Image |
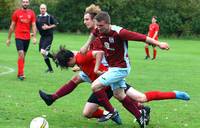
115	45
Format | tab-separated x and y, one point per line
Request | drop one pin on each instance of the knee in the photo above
93	87
96	87
21	54
86	114
77	79
43	52
118	96
141	98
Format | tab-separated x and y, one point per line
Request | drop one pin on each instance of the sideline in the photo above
9	70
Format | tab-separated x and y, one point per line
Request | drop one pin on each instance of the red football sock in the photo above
157	95
131	106
20	63
103	99
64	90
147	52
154	53
98	113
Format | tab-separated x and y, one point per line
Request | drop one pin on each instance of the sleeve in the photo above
53	20
89	55
14	16
129	35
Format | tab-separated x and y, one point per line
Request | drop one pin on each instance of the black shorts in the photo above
109	92
45	42
22	44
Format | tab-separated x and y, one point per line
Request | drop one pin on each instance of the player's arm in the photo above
85	47
155	34
34	29
98	55
134	36
11	29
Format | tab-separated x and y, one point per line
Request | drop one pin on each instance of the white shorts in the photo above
84	77
114	77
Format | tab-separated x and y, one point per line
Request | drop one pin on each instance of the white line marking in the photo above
9	70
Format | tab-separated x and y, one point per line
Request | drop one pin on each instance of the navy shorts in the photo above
22	44
45	43
109	92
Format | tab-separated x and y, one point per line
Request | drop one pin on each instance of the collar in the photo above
46	14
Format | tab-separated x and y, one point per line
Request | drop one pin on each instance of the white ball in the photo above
39	122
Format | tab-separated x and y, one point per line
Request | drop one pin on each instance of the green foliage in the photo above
70	15
176	17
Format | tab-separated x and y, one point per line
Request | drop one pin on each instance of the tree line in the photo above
175	17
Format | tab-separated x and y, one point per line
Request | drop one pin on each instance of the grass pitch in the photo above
176	69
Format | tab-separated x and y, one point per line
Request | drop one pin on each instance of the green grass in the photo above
176	69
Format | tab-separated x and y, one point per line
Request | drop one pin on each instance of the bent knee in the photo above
43	52
87	114
118	96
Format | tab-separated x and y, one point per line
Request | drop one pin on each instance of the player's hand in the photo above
163	45
8	42
75	69
34	40
99	72
45	27
32	34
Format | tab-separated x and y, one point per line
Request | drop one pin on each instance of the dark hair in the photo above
155	17
103	16
62	57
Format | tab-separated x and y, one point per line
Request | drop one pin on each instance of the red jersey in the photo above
115	45
23	20
154	27
87	63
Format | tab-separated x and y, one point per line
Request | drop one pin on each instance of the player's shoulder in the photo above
30	11
116	28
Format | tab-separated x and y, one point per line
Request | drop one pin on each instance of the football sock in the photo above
154	53
20	63
48	63
98	113
131	106
157	95
147	52
64	90
103	99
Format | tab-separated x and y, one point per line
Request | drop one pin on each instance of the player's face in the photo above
153	20
43	9
88	21
102	26
71	62
25	4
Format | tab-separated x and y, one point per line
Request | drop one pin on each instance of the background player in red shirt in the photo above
22	19
153	33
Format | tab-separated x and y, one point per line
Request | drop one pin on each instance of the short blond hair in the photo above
93	10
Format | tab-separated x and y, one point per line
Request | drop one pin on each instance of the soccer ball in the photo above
39	122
